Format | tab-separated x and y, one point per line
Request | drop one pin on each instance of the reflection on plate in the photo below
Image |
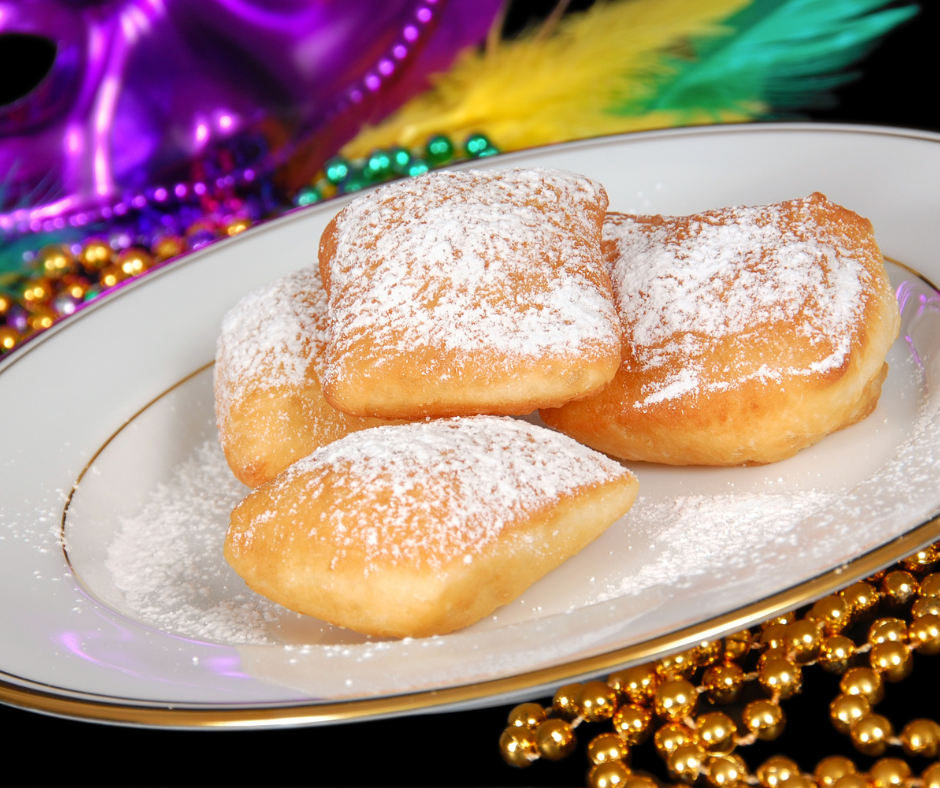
144	613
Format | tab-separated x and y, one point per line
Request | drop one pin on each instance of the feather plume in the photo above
781	54
541	89
632	65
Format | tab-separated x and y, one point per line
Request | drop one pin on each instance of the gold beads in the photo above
780	677
889	773
715	733
930	777
235	226
727	771
892	660
764	719
851	781
633	723
55	261
9	338
871	733
835	653
111	275
922	560
924	634
607	747
723	683
831	613
565	701
803	639
686	762
527	715
637	684
736	646
921	737
675	699
168	246
95	255
612	774
41	317
925	606
930	585
774	638
865	682
898	587
831	769
861	598
518	746
671	736
846	710
555	739
776	771
885	629
36	292
134	261
707	653
681	665
597	701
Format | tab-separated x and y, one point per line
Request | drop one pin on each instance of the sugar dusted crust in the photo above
749	333
424	528
469	292
269	404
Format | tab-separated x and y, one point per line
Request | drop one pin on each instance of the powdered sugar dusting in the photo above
442	489
271	337
684	282
716	535
473	261
167	559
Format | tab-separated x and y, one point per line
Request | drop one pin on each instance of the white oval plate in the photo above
122	390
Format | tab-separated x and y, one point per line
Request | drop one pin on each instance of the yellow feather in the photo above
537	90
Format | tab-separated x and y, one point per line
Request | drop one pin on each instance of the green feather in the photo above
776	53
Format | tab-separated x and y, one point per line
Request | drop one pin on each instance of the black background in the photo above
897	87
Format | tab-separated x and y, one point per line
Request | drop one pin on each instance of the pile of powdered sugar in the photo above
167	559
723	536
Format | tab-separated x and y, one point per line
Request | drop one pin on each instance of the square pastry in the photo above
458	293
420	529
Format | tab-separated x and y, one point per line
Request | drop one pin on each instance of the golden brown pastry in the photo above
469	292
749	334
269	405
423	528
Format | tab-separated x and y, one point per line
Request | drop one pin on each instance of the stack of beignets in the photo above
733	336
749	334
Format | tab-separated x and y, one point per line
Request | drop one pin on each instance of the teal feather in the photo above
782	54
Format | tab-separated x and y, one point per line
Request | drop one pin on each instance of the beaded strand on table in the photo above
659	701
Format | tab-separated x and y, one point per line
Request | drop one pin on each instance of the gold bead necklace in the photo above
672	705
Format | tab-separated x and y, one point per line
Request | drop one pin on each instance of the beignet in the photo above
423	528
458	293
269	405
749	334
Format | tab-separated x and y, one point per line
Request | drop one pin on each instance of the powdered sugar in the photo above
167	559
683	283
442	489
271	337
472	262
